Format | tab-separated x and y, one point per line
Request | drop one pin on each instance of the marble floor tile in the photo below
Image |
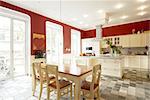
111	88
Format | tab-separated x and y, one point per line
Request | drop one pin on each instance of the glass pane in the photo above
19	47
4	47
54	45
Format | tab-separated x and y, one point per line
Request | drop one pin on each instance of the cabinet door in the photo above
143	40
135	40
103	43
126	62
134	62
147	37
116	40
124	41
144	62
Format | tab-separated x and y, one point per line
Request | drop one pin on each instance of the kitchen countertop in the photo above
102	56
135	55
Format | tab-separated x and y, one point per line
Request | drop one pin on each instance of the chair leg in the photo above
41	88
33	87
98	94
92	96
48	93
58	95
71	92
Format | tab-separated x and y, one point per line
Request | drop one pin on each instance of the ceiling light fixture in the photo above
80	22
100	11
142	7
74	19
124	17
142	13
86	25
141	0
85	15
118	6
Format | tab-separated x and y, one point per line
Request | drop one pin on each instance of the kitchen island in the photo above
110	65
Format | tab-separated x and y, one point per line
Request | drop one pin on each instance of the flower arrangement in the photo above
113	47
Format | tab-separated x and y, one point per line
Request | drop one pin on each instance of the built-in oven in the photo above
89	51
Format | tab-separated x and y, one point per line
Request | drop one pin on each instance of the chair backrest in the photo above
38	71
96	75
52	70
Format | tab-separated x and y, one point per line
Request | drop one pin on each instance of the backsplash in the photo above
134	51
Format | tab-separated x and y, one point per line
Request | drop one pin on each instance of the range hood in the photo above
104	21
98	32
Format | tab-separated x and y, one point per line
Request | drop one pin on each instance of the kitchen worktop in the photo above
103	56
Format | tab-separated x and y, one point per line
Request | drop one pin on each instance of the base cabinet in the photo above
136	62
112	67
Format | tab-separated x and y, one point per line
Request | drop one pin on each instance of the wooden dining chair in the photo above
59	85
39	75
88	88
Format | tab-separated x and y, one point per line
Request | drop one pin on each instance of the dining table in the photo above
75	73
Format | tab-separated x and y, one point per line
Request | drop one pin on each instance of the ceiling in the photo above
86	14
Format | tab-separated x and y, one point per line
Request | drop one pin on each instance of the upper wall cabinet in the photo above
143	38
124	41
147	37
135	40
115	40
132	40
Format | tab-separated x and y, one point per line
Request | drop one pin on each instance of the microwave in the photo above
88	48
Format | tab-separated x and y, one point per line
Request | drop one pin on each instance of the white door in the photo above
75	43
12	47
54	43
19	47
5	47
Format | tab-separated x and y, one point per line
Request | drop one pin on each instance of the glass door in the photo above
75	43
19	47
5	50
12	47
54	44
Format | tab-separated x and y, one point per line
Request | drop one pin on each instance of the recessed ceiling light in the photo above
142	13
100	11
85	15
141	0
73	19
118	6
124	17
110	20
86	25
80	22
142	7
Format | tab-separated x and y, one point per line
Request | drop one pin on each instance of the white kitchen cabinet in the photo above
132	40
117	41
147	37
143	38
134	62
137	62
90	42
144	63
124	41
135	40
112	67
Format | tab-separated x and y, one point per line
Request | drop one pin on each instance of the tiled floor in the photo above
111	89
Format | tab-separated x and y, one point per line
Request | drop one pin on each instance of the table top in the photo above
74	69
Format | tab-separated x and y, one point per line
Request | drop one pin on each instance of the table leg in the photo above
77	90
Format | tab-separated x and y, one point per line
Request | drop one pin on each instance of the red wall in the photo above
88	34
38	25
119	29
